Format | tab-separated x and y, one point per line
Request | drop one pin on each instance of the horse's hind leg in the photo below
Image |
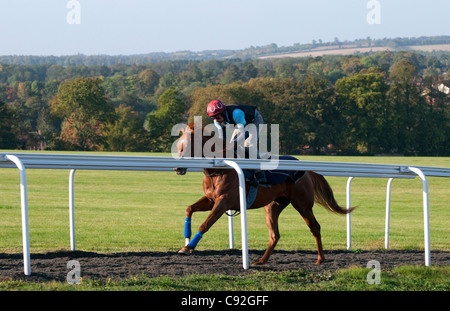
314	226
273	211
303	202
305	210
204	204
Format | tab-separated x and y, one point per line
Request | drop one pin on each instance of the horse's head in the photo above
192	144
185	146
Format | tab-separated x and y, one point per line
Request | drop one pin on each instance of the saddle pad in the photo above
275	177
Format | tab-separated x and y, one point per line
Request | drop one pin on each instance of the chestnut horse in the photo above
221	188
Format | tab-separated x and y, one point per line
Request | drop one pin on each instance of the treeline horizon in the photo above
251	52
375	103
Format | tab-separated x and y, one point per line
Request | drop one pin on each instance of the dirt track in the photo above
52	266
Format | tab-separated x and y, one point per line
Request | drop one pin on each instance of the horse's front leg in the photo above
220	206
204	204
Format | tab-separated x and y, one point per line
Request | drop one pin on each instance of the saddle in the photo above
267	178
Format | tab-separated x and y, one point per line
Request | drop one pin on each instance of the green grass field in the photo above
118	211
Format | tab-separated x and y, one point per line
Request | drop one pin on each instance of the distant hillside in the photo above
337	47
352	49
315	48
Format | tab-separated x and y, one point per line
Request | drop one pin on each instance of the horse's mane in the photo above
191	126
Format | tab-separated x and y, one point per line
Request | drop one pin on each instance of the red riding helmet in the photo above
215	107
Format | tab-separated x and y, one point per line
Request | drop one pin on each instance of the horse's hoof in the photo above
319	261
186	250
258	263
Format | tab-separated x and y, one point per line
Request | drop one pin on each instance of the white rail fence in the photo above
24	161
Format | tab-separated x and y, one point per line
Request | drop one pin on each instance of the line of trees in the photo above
252	52
381	103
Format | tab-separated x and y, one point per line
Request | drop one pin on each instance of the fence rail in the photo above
146	163
71	162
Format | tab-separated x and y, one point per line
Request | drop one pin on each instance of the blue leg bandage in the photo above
192	244
187	228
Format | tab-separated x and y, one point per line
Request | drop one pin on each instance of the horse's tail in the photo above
323	194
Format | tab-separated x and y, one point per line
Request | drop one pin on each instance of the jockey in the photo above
238	115
241	116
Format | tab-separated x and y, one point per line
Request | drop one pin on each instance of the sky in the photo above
126	27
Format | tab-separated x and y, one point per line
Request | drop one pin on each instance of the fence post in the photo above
349	219
72	209
243	204
388	213
426	215
24	212
230	230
